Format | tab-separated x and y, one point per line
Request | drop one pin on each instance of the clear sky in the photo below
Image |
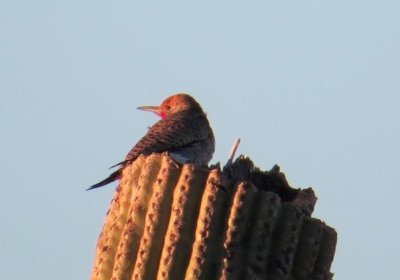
310	85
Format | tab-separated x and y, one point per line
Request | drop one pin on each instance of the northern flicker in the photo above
183	131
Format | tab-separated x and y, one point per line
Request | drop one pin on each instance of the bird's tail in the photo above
113	176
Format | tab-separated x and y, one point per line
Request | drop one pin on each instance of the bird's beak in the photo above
154	109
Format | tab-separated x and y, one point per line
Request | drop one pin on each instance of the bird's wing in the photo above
170	134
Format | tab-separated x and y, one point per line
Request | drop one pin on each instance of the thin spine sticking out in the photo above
207	248
114	222
167	222
179	237
236	226
156	221
133	230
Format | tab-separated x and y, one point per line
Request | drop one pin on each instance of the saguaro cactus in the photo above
187	222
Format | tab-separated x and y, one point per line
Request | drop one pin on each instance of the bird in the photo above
183	132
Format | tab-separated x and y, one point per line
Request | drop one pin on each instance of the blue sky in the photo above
312	86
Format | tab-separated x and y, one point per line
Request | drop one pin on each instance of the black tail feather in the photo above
115	165
113	176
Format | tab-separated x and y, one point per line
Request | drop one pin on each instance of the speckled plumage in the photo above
184	132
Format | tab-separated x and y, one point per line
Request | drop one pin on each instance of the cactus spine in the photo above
189	222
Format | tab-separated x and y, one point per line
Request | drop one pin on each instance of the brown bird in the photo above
183	132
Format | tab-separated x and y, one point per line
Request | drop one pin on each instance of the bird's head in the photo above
174	104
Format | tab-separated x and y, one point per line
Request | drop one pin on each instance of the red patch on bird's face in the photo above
162	115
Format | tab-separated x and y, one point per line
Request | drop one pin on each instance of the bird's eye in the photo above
167	107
